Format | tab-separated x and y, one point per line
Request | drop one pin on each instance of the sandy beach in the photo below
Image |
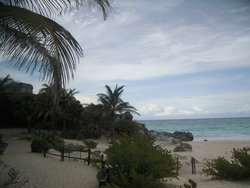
51	172
202	152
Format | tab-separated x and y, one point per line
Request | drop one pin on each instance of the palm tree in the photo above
113	104
5	83
34	42
67	100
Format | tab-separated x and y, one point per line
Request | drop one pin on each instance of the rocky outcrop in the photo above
172	138
18	87
183	147
165	137
183	136
127	116
142	129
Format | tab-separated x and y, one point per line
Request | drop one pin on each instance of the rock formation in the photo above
183	147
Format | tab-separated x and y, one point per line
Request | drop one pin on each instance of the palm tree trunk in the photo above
113	126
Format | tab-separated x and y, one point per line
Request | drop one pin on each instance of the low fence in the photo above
87	159
98	158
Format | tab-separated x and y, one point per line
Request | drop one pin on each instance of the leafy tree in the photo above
34	42
27	110
137	163
126	127
113	103
67	113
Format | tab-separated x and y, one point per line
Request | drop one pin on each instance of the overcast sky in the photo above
176	58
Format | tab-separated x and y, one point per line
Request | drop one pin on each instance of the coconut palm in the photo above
34	42
113	103
5	83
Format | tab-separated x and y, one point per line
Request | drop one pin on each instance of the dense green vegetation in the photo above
40	145
113	104
137	163
70	119
236	169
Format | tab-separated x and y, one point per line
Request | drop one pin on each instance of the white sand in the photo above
47	172
203	151
50	172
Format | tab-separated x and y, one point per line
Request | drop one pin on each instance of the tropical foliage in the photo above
72	119
136	162
40	145
113	104
238	168
34	42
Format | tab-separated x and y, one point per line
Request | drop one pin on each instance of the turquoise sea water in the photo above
210	129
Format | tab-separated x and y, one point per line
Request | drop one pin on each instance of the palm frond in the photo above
112	101
126	107
35	42
49	7
5	83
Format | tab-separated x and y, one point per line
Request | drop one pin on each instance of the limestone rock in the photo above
183	147
183	136
127	116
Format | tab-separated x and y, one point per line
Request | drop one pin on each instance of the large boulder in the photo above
183	147
127	116
142	129
183	136
164	137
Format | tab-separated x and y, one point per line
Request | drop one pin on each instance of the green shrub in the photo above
57	143
14	179
126	126
90	144
238	168
191	184
39	145
137	163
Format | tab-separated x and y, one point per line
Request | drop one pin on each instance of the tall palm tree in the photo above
113	104
34	42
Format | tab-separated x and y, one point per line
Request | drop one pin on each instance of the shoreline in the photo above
51	172
222	138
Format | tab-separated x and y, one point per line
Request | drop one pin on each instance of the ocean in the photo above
210	128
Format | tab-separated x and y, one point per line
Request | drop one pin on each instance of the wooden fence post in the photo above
89	156
62	154
177	163
193	165
103	162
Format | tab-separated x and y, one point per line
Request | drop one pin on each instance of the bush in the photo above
136	162
90	144
126	126
14	179
238	168
39	145
57	143
191	184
